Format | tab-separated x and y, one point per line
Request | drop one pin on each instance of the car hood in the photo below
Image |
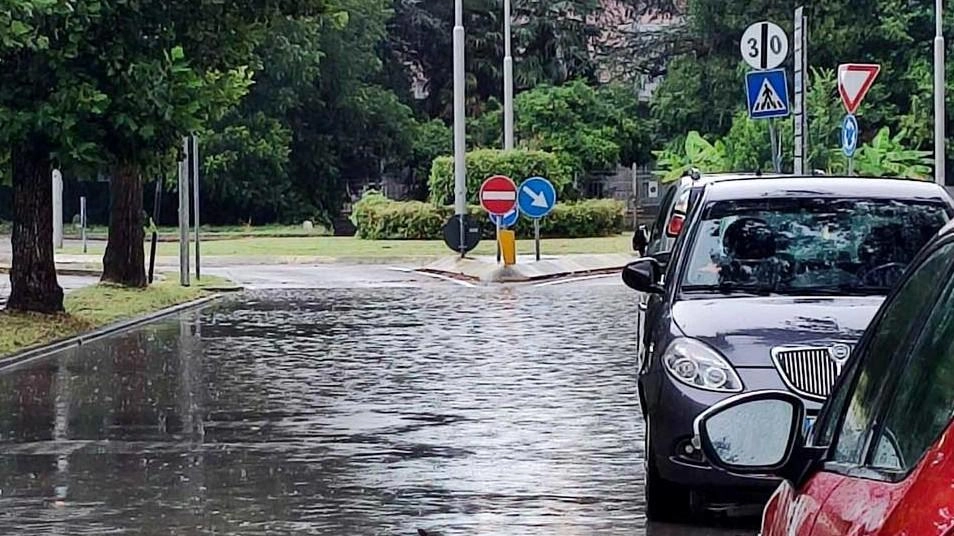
745	330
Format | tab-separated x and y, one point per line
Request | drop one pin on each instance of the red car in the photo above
880	458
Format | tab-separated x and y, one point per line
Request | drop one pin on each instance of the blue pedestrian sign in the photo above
507	220
849	135
767	94
536	197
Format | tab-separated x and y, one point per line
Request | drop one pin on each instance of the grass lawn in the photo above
356	248
93	307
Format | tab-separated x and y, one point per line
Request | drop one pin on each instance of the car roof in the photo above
789	186
709	178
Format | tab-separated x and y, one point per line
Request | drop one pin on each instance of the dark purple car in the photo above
769	286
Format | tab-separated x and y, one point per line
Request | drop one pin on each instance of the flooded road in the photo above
353	411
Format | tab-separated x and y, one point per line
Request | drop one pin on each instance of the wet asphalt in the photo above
375	402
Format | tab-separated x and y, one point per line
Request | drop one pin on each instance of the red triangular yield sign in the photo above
854	81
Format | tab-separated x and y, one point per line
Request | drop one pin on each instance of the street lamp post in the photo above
508	81
460	141
940	153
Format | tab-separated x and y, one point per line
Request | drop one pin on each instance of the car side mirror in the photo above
757	433
644	275
640	240
663	259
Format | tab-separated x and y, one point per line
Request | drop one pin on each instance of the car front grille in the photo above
810	371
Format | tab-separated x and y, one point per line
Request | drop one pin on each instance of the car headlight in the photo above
697	365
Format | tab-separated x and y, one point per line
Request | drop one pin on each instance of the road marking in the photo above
574	280
430	274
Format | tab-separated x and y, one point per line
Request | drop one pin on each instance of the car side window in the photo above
659	226
923	401
899	324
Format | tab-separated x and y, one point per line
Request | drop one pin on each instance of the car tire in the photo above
665	501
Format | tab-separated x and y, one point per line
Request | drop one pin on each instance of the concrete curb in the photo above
472	269
91	272
39	352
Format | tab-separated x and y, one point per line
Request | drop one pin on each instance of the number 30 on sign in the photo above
764	46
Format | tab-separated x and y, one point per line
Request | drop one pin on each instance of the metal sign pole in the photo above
195	194
155	223
801	119
184	216
497	224
536	236
508	81
851	166
83	221
773	135
460	138
499	218
940	152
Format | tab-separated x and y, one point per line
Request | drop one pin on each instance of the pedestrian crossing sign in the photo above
767	94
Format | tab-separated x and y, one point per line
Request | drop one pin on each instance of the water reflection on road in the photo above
359	411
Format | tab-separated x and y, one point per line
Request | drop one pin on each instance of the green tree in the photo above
703	86
168	69
46	110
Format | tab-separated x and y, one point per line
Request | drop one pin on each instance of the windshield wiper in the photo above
841	290
728	288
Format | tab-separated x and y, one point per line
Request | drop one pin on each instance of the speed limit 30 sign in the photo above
764	45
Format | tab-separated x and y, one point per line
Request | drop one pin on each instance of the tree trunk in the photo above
125	259
33	285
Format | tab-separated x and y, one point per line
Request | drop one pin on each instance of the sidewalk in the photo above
527	268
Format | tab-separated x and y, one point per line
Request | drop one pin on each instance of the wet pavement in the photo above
364	408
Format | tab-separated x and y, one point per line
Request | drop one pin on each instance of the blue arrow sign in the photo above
767	94
507	220
536	197
849	135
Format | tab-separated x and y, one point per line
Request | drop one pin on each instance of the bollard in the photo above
83	222
508	246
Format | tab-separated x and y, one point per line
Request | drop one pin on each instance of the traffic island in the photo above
527	268
93	309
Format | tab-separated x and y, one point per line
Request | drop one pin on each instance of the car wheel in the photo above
665	501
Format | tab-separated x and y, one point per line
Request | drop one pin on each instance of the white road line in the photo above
435	276
574	280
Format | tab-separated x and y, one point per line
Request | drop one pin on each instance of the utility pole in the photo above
508	80
57	209
940	152
460	139
184	215
194	158
802	164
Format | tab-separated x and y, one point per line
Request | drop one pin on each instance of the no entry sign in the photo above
498	195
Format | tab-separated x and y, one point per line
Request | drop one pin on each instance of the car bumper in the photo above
672	408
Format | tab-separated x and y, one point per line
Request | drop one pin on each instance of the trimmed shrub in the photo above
378	218
518	164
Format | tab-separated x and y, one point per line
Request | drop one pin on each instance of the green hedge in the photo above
518	164
378	218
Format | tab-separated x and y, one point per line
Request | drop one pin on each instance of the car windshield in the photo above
808	246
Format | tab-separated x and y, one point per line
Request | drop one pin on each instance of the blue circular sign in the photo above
536	197
508	220
849	135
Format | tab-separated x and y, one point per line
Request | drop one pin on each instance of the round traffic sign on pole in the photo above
498	195
452	234
764	45
536	197
849	135
507	220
